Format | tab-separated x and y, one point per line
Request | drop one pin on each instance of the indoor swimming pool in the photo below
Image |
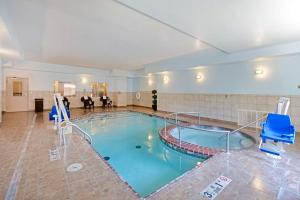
130	143
213	137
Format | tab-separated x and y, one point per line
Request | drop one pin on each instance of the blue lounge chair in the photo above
277	128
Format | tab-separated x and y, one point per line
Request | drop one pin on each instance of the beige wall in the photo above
218	106
119	99
42	76
145	100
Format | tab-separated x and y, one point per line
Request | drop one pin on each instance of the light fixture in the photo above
84	80
149	74
197	44
166	79
259	71
199	77
150	82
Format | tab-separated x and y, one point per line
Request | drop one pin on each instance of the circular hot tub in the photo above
204	139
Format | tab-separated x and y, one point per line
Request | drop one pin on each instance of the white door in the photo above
16	94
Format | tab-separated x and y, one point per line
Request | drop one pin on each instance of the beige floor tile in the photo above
254	175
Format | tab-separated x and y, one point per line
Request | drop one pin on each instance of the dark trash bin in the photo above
39	105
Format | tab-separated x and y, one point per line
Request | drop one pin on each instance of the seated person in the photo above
104	100
87	102
109	102
66	103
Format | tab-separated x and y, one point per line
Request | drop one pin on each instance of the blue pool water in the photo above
131	143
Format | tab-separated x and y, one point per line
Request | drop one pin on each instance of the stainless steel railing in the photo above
170	117
86	136
175	118
249	124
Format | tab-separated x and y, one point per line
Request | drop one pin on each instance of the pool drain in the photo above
74	167
106	157
138	146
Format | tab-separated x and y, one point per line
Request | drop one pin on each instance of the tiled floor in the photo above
42	179
27	173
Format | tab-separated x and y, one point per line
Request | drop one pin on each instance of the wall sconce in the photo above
259	71
199	77
150	82
197	44
166	79
84	80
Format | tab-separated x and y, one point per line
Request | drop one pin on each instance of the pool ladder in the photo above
62	121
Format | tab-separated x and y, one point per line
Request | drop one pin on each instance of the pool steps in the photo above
193	149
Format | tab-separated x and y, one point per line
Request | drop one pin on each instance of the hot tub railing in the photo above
173	119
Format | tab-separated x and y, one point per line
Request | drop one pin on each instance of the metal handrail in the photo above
247	125
238	129
200	129
198	113
86	136
177	113
228	133
179	126
62	114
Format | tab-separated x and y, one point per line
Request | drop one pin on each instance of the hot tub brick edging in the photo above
185	147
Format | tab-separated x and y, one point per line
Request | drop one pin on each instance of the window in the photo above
17	88
99	89
65	89
69	89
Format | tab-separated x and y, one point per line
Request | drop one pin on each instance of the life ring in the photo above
138	95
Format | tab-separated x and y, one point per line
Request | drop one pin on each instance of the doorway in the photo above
16	94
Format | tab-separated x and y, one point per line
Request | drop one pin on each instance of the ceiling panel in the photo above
229	25
97	33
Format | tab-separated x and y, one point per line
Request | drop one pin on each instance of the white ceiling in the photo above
130	34
100	33
7	47
229	25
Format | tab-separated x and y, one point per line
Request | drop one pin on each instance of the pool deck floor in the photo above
26	171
